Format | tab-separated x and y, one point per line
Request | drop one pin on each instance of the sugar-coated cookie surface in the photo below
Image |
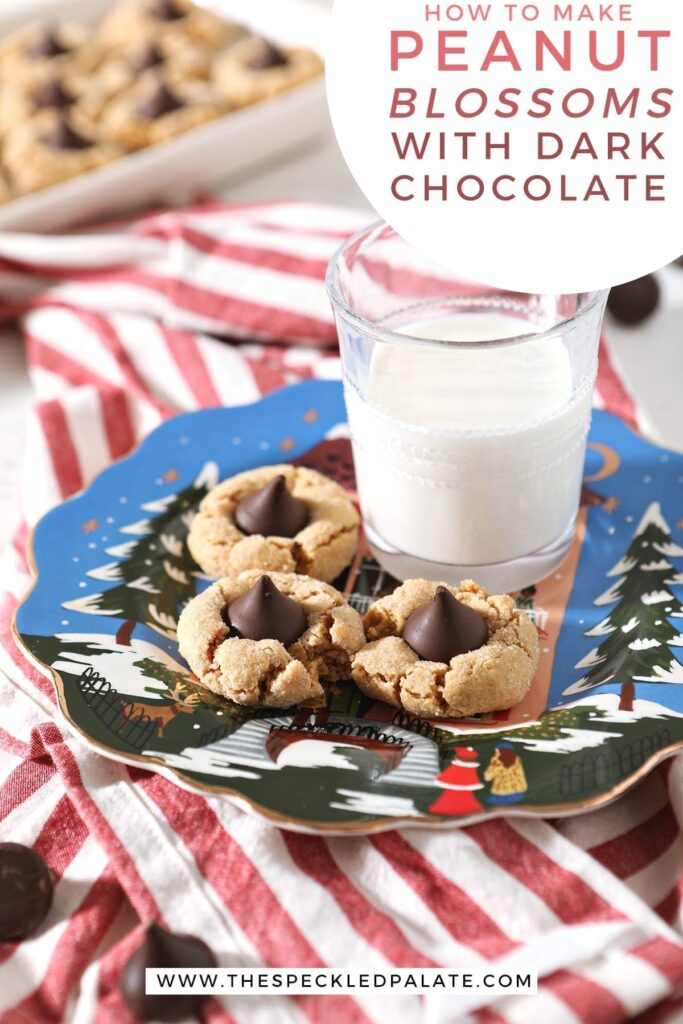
153	110
51	148
495	676
321	549
265	672
254	70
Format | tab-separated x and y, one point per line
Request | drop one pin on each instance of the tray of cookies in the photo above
209	609
110	105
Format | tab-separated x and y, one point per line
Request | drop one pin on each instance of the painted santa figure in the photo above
460	782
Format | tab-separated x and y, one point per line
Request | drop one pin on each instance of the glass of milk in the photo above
469	409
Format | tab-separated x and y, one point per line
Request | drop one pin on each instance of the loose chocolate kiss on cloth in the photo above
593	902
633	302
25	891
161	948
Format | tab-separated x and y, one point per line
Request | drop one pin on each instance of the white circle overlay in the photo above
549	246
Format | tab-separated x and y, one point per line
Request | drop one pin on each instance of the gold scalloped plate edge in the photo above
287	822
304	826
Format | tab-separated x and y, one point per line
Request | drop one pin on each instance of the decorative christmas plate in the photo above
113	570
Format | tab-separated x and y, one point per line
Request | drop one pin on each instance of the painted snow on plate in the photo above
643	644
611	595
652	517
376	803
603	628
630	625
116	662
314	754
608	703
204	762
570	740
672	674
592	658
655	597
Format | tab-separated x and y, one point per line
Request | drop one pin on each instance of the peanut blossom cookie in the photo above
254	69
446	652
175	23
153	111
48	149
269	640
32	53
282	518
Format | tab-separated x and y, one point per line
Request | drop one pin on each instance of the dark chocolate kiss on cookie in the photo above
63	136
162	101
148	57
272	512
444	627
25	891
167	10
267	56
52	94
265	613
47	45
163	949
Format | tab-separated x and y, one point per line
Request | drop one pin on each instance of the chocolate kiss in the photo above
48	45
63	136
148	57
51	94
25	891
444	627
267	56
635	301
168	11
163	949
272	512
162	101
265	613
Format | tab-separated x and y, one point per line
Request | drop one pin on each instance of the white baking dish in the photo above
219	151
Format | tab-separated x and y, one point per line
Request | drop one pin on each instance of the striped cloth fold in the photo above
125	325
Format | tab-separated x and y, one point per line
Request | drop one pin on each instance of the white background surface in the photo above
651	358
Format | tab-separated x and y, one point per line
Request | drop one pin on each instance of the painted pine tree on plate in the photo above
638	637
153	572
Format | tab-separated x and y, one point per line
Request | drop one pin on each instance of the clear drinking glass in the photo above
469	409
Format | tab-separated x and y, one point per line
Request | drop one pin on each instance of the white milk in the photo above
471	457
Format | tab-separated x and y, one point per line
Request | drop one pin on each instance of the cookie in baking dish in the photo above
255	69
50	148
37	50
153	111
174	23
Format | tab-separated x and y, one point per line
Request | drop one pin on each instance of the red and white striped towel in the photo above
117	323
